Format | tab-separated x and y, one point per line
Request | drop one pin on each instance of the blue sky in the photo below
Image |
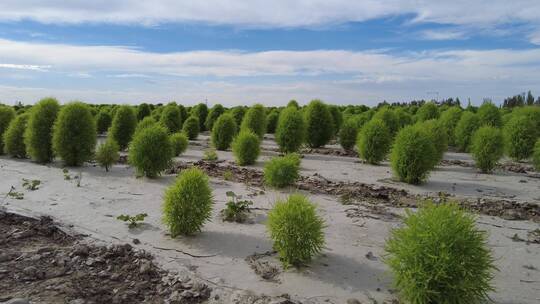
239	53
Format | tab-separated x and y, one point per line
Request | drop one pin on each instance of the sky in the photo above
243	52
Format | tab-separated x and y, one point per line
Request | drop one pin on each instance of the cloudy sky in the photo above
241	52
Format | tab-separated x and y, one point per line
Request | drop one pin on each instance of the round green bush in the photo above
532	112
123	126
39	130
103	121
319	124
389	118
489	115
213	115
439	137
465	128
536	156
107	153
290	130
146	122
404	118
255	120
151	151
449	120
200	111
246	147
183	114
280	172
374	140
223	132
293	103
427	111
272	120
487	147
7	114
296	230
179	142
337	117
520	135
188	203
348	134
238	114
74	134
191	127
156	113
143	110
440	256
171	118
413	154
14	137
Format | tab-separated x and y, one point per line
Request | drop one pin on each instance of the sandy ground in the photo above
350	266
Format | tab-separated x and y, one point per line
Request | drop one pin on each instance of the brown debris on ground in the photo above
41	263
357	192
260	263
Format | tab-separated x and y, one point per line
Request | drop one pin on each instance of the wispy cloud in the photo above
446	34
31	67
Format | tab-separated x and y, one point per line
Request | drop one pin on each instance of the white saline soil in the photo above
350	267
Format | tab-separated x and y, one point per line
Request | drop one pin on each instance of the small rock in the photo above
81	250
136	241
370	256
146	267
353	301
77	301
30	271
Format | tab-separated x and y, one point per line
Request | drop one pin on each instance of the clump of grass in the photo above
439	256
188	203
210	154
280	172
132	220
296	230
236	209
228	175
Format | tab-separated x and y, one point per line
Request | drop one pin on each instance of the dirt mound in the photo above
40	262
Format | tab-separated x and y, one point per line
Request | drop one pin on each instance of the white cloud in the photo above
274	76
31	67
535	38
443	34
262	13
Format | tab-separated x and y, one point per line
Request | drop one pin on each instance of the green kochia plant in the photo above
465	128
413	154
143	110
319	124
191	127
348	134
536	156
38	133
123	126
236	209
103	121
389	118
255	120
213	115
290	130
296	230
246	148
210	154
489	114
200	111
374	141
224	129
151	151
132	220
14	137
280	172
179	142
427	111
487	147
439	256
74	135
7	114
272	120
188	203
107	153
439	136
171	118
520	135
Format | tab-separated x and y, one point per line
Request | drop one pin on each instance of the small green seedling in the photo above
210	154
133	221
67	176
237	209
32	184
228	175
14	194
